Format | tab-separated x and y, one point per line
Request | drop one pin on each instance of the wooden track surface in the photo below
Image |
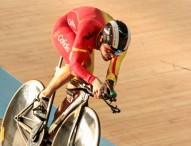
154	87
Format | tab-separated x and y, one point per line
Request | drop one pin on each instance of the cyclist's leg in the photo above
66	102
62	38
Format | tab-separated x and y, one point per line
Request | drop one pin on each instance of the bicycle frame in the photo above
82	99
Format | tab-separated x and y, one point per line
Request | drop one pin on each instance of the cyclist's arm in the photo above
114	67
77	58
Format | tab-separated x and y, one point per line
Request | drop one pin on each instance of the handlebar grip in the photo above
113	94
106	96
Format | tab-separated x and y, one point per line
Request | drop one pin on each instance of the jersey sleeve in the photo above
77	59
82	47
114	67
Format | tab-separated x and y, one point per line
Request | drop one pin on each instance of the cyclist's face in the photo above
106	52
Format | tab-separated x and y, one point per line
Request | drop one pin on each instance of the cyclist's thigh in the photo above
63	37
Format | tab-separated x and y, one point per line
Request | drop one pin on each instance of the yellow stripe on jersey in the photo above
79	50
114	67
107	17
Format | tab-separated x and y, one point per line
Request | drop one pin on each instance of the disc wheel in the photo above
12	133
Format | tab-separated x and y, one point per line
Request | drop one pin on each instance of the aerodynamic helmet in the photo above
117	35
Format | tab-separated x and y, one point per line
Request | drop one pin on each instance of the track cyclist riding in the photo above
76	35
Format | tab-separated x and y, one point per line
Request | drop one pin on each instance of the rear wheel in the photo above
19	113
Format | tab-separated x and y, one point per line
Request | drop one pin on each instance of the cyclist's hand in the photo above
98	88
109	88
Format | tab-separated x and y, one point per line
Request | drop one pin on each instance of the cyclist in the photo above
76	36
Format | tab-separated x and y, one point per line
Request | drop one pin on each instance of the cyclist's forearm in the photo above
114	67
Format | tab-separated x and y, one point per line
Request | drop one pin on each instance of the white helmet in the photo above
117	35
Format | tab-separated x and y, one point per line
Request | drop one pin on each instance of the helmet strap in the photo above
99	41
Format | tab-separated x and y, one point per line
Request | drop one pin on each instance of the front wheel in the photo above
87	132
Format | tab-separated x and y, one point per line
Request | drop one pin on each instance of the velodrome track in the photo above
154	87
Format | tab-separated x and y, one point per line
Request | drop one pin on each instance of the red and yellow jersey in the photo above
75	35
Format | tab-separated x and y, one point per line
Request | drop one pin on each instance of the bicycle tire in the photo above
10	135
88	130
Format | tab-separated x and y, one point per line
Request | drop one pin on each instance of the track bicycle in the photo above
78	125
